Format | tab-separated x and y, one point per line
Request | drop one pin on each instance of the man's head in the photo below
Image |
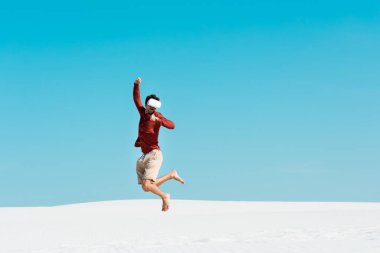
152	102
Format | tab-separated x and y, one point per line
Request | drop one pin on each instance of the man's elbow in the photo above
168	123
171	125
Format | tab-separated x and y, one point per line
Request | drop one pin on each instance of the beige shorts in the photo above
148	165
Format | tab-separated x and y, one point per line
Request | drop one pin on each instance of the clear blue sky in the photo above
272	100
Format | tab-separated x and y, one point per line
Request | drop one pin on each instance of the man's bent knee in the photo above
146	185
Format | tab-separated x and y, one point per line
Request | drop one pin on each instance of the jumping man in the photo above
148	165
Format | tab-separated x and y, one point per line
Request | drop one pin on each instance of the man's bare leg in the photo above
171	175
147	185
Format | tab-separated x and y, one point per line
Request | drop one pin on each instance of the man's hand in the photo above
138	80
154	118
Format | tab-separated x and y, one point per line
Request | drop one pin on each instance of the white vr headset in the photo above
154	103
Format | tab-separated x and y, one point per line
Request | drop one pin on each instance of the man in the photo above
148	165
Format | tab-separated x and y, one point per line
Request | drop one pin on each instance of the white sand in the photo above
192	226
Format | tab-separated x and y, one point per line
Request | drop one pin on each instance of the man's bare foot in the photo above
165	202
175	176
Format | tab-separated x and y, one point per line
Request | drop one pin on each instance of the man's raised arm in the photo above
136	95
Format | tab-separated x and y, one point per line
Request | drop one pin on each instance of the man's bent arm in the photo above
166	123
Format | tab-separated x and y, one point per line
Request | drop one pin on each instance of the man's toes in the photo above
178	178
